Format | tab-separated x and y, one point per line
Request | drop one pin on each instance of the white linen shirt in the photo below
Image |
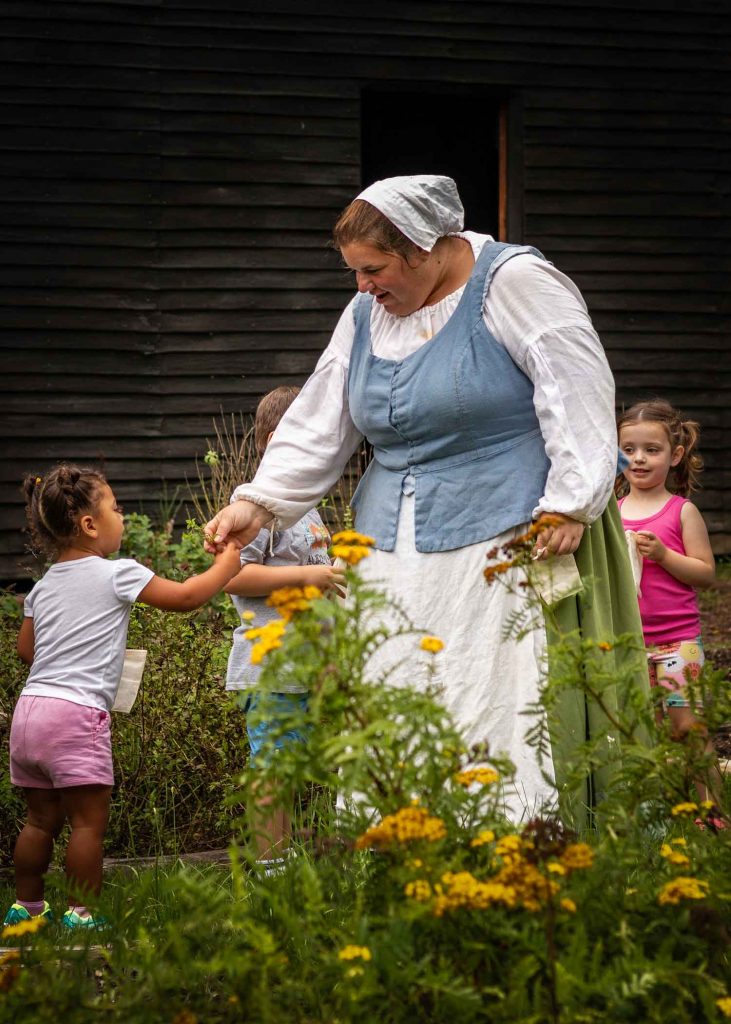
539	316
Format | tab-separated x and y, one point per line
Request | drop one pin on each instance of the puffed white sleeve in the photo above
540	317
313	440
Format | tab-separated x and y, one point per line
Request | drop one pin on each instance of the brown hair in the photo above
269	412
684	478
55	502
363	223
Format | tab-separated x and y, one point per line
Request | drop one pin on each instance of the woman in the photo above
473	369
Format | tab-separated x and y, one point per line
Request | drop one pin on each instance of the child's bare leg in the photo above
687	728
87	808
270	823
34	846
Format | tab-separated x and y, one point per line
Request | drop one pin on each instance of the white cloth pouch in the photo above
635	558
555	578
129	684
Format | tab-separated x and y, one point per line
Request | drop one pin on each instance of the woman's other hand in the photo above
239	522
560	536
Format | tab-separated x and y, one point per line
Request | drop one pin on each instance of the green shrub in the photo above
417	900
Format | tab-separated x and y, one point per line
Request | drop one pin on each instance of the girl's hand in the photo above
229	557
650	546
239	522
561	539
326	577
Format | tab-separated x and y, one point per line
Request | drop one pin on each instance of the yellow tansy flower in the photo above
354	953
577	856
674	856
248	616
683	889
555	868
407	825
724	1005
604	646
432	644
419	890
288	600
11	931
353	537
568	905
486	836
351	546
483	776
9	957
268	638
684	808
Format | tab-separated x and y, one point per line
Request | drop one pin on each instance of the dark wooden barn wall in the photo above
171	169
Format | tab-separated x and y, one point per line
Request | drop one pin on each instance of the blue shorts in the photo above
265	715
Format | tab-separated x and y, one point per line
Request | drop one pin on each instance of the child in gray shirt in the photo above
296	557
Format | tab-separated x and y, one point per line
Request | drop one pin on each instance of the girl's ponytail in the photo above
688	471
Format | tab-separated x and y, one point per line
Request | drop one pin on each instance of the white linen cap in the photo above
424	207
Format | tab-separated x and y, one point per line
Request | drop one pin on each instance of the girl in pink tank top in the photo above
677	558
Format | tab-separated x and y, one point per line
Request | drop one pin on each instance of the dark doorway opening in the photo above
405	131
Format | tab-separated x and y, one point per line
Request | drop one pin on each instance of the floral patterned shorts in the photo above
672	665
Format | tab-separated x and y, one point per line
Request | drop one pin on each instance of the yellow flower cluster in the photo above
685	808
288	600
13	931
419	890
463	890
674	856
577	856
682	888
267	637
483	776
486	836
432	644
531	888
724	1005
351	546
354	953
509	846
407	825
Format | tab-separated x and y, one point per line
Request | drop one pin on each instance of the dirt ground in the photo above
716	629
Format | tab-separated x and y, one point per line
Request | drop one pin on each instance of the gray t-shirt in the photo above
80	611
305	543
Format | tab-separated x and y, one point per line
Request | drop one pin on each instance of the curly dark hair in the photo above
54	503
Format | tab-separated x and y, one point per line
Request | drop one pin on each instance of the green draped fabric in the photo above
606	608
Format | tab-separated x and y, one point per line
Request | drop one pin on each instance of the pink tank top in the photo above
668	608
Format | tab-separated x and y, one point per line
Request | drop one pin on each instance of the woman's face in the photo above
397	286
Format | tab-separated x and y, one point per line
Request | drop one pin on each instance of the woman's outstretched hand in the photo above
559	538
239	522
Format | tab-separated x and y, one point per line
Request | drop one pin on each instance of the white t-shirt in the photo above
80	611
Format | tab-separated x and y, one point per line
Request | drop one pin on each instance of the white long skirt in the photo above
485	680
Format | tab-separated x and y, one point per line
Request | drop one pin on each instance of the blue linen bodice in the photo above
453	423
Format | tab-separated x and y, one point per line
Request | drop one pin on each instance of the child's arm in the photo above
257	580
26	641
195	591
696	567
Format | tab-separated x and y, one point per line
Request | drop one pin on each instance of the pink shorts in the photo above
55	744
